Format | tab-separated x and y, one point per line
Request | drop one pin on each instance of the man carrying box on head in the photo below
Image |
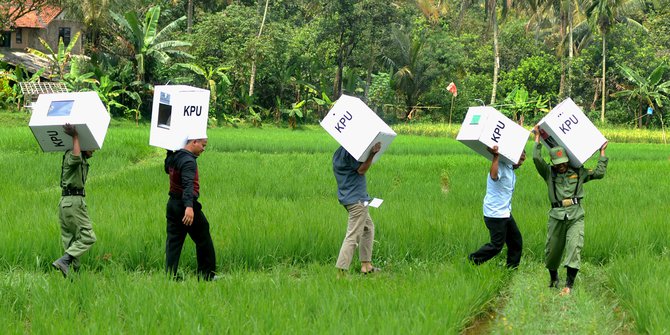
352	193
75	225
498	213
565	229
184	212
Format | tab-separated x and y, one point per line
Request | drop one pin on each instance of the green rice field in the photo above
270	197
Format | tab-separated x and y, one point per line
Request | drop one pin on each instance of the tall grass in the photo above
641	280
270	197
286	300
616	134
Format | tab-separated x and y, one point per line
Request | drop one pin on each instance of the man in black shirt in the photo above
184	212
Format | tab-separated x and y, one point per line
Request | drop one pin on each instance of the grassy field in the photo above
269	195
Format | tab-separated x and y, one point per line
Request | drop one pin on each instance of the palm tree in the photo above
143	39
344	22
409	79
432	10
252	78
558	17
95	14
648	91
603	14
189	14
491	11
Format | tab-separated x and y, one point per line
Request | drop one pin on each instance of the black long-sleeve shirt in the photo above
184	181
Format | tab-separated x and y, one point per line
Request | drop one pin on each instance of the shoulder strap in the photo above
553	183
574	194
62	169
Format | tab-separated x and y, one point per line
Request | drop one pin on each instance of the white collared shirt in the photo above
498	199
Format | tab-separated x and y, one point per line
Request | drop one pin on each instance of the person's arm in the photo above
601	168
494	162
366	165
540	165
188	168
166	162
72	132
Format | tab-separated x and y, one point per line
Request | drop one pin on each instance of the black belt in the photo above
566	202
73	191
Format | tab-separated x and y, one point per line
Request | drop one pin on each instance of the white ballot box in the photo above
357	128
178	111
84	110
568	127
486	127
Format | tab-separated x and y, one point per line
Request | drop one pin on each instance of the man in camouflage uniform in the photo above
565	229
76	230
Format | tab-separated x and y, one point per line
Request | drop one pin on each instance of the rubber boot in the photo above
571	275
63	264
553	279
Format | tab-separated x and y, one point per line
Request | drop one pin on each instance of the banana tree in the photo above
215	78
144	40
77	81
111	93
58	59
518	104
294	113
649	91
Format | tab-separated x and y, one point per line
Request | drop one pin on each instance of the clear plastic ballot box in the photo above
84	110
357	128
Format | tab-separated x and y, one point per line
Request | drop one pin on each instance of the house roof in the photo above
31	62
38	18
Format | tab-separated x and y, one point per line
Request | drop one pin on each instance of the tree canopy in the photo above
399	56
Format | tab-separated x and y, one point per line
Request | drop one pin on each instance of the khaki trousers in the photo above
360	232
565	238
76	230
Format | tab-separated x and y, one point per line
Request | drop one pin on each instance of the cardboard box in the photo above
486	127
177	112
567	126
357	128
84	110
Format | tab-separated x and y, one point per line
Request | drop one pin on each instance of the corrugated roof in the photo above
31	62
38	19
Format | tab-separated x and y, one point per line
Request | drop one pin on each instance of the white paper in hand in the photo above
376	202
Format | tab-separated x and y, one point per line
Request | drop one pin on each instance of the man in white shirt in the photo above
498	213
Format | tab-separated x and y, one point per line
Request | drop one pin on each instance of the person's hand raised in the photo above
70	130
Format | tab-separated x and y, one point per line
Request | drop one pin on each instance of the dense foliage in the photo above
399	56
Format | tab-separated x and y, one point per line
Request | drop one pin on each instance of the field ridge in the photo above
528	306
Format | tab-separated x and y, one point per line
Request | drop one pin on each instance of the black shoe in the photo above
553	283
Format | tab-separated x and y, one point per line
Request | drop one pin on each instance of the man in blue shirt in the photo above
498	213
352	192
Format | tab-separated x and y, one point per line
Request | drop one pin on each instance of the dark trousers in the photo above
199	233
503	231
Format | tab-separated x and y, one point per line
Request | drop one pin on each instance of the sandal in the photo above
373	269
